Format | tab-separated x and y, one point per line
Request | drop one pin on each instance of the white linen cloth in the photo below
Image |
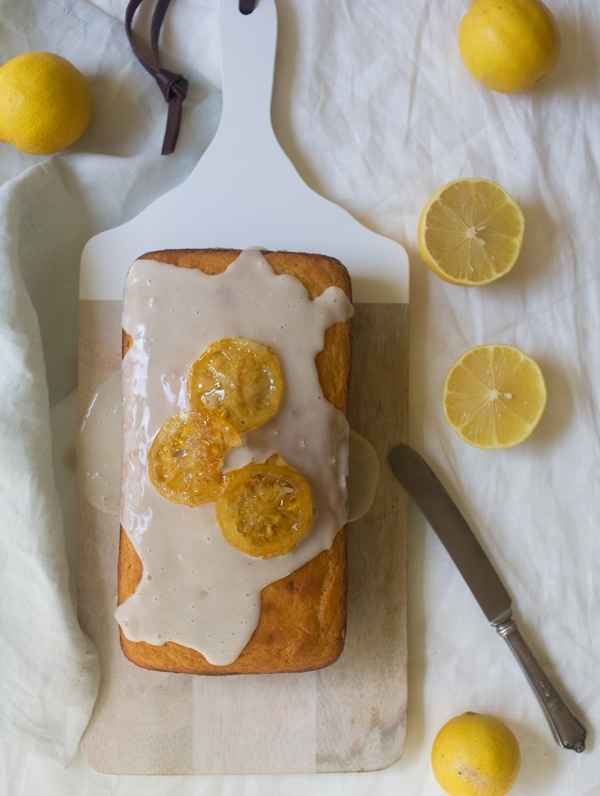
376	110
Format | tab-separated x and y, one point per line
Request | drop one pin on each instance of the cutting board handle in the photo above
248	45
244	190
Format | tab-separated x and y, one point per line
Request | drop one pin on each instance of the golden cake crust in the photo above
303	616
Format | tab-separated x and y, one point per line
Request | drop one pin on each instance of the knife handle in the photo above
567	729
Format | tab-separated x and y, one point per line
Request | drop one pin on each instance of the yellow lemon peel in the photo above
45	103
509	46
475	755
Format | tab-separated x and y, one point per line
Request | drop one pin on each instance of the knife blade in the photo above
432	498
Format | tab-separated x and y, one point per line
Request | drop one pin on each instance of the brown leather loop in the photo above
173	86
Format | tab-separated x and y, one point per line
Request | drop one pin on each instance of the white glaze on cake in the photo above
99	456
197	590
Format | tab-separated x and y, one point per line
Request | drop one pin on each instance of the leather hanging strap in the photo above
173	86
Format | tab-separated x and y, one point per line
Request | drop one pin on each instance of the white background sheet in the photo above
376	110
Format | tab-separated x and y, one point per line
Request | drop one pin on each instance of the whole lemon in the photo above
509	45
45	103
475	755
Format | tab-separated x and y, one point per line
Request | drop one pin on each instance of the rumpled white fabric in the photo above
49	207
376	110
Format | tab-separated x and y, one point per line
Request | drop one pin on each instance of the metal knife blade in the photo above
423	485
435	503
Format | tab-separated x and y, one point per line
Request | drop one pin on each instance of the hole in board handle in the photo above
247	6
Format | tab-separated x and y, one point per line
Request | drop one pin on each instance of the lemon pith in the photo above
494	396
471	232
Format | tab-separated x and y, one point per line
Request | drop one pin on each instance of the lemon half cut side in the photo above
494	396
471	231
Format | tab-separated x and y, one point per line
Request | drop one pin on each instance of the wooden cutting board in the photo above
348	717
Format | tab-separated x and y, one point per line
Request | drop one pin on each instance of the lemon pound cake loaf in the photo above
235	375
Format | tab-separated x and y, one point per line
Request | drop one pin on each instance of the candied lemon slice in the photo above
264	509
239	380
184	463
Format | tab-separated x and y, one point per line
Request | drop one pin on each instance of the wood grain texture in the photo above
350	716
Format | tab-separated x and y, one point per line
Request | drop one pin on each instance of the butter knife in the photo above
423	485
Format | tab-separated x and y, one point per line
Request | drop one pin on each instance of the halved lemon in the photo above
185	458
494	396
264	509
471	231
238	379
